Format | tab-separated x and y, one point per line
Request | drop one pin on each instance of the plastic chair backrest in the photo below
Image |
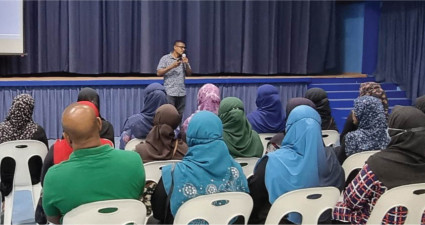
131	145
21	151
356	161
247	165
330	137
265	139
309	202
218	208
411	196
153	169
122	211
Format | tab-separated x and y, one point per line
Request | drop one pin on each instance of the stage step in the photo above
342	103
348	86
355	94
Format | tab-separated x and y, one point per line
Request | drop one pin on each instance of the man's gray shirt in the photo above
173	79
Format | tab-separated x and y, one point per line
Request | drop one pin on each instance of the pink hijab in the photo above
208	99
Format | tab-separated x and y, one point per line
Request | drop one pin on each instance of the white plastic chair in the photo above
309	202
131	145
247	165
330	137
356	161
21	151
153	169
122	211
265	139
411	196
212	209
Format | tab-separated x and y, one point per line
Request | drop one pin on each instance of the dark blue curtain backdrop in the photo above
401	52
250	37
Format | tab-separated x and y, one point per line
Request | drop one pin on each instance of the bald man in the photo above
94	172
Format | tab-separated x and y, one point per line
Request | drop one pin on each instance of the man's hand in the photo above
175	64
185	60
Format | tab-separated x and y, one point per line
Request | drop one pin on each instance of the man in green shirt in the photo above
94	172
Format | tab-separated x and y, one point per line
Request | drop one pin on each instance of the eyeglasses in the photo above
182	47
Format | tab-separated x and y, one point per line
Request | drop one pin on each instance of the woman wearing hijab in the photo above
276	140
370	89
401	163
372	126
19	125
241	140
320	98
206	168
139	125
208	99
420	103
269	116
89	94
160	143
301	162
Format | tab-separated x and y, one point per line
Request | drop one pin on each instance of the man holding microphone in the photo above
175	67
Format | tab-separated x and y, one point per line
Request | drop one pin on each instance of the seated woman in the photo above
19	125
301	162
371	89
372	127
89	94
269	116
241	140
320	98
420	103
401	163
160	143
208	99
207	168
139	124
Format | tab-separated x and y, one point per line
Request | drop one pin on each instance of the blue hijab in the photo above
139	125
269	116
298	159
207	167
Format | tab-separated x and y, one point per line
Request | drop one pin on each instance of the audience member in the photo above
19	125
371	89
139	124
320	98
207	168
89	94
420	103
401	163
301	162
208	99
241	140
94	172
161	143
269	116
371	134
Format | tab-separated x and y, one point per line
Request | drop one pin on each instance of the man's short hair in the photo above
178	41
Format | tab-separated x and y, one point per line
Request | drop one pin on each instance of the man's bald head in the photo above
81	126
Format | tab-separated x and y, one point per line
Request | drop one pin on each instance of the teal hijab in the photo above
241	140
207	167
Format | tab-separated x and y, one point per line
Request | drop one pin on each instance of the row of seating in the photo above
309	202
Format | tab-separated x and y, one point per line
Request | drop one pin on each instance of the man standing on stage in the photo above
175	67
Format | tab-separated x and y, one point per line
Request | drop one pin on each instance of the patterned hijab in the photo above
19	124
320	98
139	125
208	99
269	116
297	163
375	90
207	167
403	162
241	140
420	103
372	131
160	143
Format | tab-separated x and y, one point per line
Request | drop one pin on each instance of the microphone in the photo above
184	55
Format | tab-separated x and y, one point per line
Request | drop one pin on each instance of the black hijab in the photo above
319	97
403	162
420	103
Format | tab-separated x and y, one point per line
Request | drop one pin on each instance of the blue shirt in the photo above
173	79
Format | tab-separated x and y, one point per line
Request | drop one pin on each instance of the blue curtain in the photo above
111	36
401	51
